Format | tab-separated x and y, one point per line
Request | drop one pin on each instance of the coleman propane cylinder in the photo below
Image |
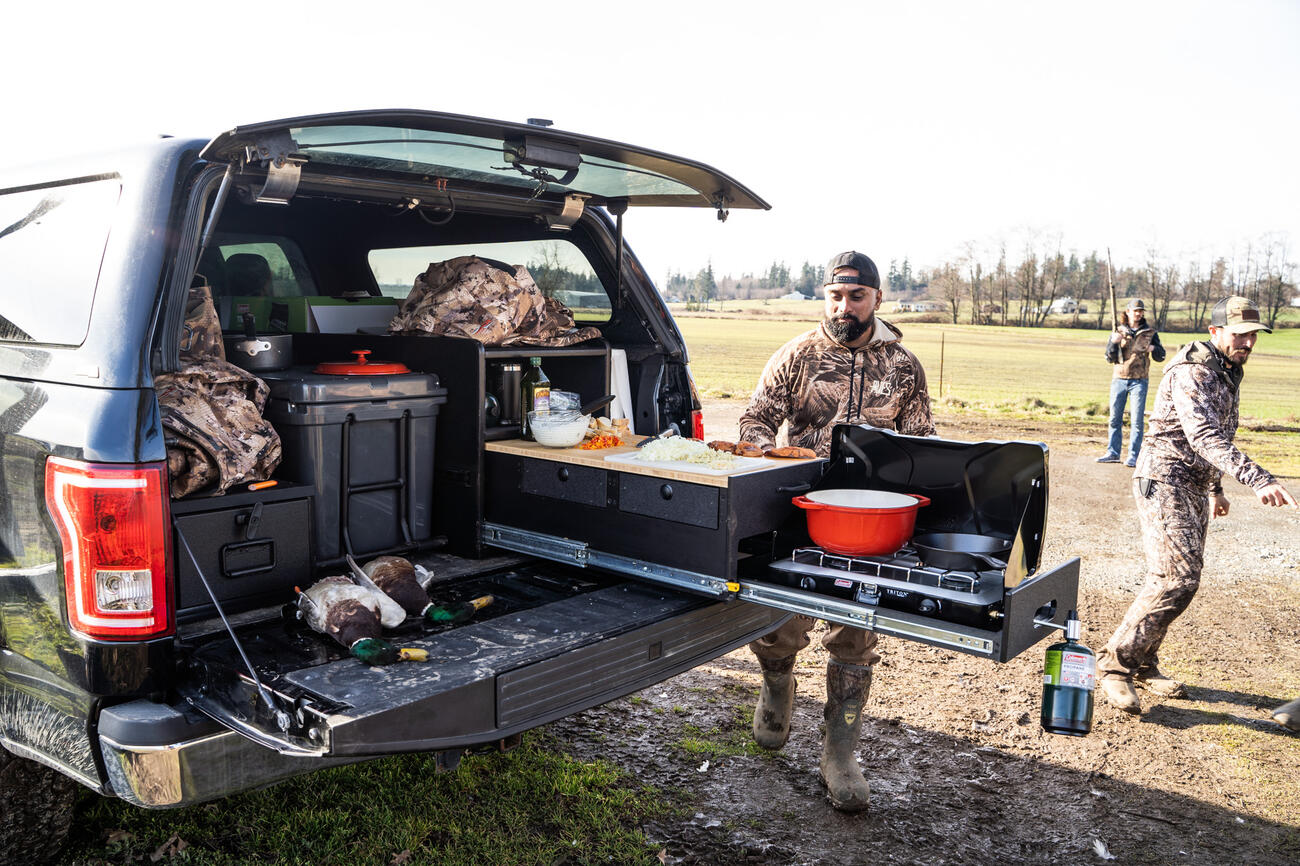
1069	676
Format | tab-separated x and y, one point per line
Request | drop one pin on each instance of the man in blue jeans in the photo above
1132	346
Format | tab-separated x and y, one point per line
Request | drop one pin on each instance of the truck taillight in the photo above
113	520
697	409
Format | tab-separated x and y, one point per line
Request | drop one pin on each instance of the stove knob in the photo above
808	583
928	606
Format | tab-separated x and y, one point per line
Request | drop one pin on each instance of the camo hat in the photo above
868	275
1237	315
1136	304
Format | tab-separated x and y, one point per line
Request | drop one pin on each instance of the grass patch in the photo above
1044	374
532	805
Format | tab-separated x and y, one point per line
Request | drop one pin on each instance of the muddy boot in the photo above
846	693
1120	694
775	703
1155	681
1288	716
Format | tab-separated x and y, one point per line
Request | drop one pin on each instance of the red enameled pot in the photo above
860	522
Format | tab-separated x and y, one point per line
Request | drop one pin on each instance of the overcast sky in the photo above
899	129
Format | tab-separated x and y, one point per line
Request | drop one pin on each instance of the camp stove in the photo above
992	489
899	581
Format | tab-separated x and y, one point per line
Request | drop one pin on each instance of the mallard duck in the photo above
396	576
338	608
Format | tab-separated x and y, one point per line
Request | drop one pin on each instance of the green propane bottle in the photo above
1069	676
535	395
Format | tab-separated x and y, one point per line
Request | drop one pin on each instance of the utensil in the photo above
664	435
879	523
591	407
962	551
254	353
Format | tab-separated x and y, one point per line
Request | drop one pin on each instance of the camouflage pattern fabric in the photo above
1126	350
1174	520
212	411
1193	422
469	297
846	644
813	383
201	334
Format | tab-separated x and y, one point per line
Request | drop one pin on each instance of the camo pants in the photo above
847	644
1174	520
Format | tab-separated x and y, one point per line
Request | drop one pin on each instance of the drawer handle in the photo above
563	474
666	491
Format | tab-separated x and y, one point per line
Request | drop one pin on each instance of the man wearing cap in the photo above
1177	485
852	368
1130	349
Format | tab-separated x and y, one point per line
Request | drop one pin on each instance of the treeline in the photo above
996	290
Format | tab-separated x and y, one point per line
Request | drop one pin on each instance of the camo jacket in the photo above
1193	422
492	302
1132	351
814	383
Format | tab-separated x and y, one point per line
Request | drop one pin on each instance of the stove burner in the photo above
902	565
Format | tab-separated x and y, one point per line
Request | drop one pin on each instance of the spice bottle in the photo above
535	394
1069	676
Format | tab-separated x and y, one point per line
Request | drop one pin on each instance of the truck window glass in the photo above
52	243
559	268
257	267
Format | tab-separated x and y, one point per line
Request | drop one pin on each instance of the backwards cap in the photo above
866	268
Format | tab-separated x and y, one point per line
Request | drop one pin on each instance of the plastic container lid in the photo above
361	366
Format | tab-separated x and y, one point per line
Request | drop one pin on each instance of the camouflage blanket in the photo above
212	411
469	297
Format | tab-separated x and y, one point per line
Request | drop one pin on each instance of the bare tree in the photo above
946	283
1274	279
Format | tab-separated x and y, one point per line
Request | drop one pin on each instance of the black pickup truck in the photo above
149	647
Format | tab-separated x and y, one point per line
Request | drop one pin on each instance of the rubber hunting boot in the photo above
1120	694
846	693
1158	684
775	703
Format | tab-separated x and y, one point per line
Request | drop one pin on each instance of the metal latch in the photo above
283	167
573	207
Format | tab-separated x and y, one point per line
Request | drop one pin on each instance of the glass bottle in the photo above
1069	676
535	394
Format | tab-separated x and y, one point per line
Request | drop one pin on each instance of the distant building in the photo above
795	296
920	307
1064	306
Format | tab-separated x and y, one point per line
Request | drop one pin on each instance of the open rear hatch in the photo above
442	154
555	641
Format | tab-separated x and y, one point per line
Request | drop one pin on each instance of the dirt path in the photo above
961	772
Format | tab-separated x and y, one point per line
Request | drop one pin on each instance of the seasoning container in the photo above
535	395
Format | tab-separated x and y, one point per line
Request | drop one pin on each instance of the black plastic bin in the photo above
367	444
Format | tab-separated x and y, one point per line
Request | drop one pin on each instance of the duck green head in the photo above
374	651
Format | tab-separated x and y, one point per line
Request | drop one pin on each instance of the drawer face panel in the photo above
678	501
240	561
581	484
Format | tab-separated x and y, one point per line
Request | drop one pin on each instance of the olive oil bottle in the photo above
1069	676
535	394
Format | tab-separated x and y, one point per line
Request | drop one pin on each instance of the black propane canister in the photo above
1069	676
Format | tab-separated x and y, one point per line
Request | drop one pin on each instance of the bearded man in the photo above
852	368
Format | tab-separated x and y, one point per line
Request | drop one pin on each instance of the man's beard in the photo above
846	329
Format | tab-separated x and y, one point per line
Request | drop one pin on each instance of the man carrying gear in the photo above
852	368
1131	348
1178	483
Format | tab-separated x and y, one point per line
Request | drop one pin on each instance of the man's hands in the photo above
1220	503
1275	494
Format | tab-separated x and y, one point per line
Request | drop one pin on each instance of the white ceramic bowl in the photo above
558	429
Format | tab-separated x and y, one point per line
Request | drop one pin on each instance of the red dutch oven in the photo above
860	522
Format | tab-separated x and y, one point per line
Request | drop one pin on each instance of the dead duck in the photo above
337	607
396	576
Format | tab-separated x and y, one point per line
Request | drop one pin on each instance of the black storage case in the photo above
367	445
253	547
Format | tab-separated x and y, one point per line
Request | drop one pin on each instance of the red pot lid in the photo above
361	366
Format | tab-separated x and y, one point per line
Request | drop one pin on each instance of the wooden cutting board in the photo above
679	472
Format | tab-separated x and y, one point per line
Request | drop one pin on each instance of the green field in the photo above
1051	374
